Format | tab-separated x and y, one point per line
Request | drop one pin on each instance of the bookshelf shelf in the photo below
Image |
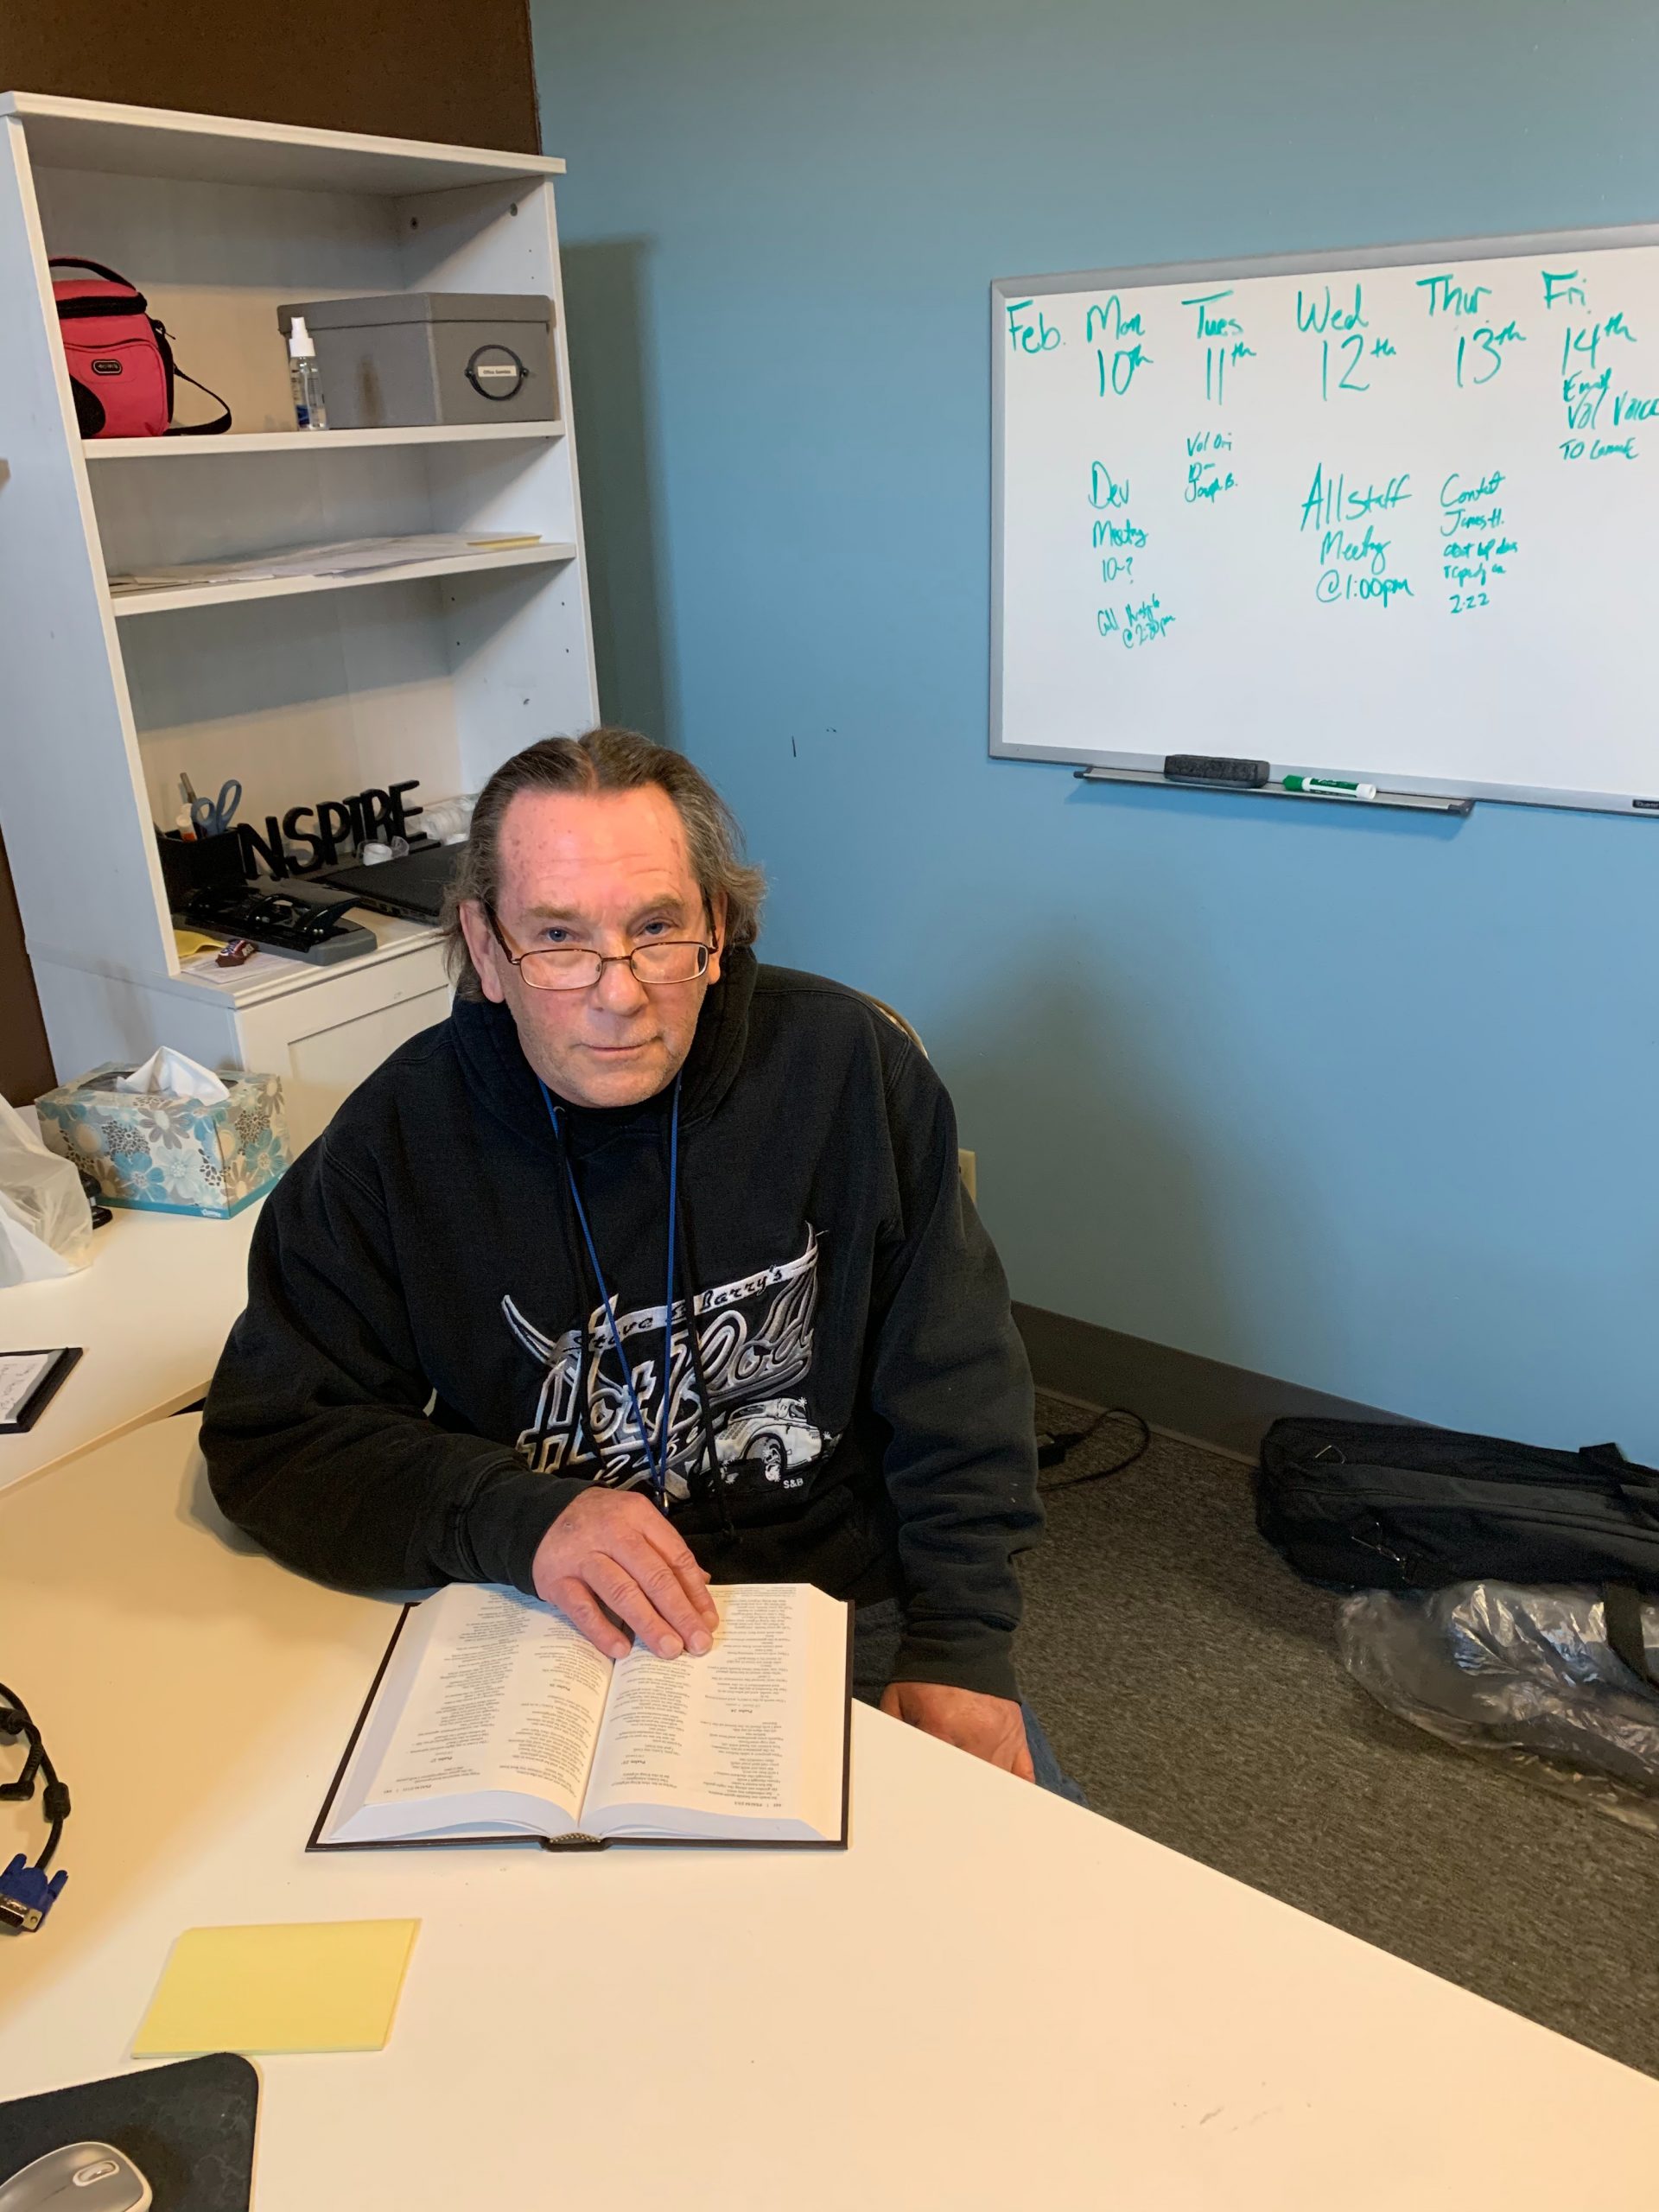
126	606
318	445
152	141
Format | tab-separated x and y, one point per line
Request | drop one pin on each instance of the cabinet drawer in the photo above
324	1041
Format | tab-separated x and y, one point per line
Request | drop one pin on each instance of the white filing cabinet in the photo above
321	1029
301	689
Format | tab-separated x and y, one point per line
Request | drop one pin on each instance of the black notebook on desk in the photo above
28	1383
492	1720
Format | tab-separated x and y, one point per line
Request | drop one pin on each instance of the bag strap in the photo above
222	421
1610	1460
1622	1609
1638	1486
76	261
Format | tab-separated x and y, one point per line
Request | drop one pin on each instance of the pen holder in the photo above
193	864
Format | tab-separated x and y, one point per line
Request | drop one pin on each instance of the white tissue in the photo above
171	1075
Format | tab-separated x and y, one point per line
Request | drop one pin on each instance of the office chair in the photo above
896	1019
965	1160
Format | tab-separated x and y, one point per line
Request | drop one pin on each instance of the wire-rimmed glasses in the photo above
578	967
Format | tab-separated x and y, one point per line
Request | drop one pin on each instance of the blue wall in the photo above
1364	1102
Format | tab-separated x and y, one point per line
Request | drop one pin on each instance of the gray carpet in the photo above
1190	1682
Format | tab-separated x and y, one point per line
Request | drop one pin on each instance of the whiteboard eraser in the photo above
1207	768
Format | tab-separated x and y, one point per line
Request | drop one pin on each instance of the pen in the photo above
1314	785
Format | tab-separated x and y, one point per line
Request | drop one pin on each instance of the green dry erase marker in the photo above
1314	785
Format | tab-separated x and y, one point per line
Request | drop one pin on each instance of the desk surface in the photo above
152	1312
992	1998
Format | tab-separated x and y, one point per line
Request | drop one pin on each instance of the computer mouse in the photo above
80	2177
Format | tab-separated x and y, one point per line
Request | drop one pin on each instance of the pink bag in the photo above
120	363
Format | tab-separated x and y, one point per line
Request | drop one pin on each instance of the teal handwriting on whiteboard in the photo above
1480	354
1347	344
1221	336
1104	490
1448	297
1399	509
1109	330
1476	548
1029	337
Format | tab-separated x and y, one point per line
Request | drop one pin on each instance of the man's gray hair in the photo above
605	760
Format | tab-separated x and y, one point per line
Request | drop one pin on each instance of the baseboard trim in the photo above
1178	1393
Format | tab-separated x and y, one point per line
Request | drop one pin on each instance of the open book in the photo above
492	1720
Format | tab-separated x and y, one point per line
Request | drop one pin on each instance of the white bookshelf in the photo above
301	688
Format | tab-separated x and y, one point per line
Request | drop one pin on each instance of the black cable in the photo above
54	1803
55	1796
1068	1441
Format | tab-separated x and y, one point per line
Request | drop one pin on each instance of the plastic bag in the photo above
1523	1670
45	1223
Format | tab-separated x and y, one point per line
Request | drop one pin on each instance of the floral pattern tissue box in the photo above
171	1155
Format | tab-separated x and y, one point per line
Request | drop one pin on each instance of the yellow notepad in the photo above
329	1984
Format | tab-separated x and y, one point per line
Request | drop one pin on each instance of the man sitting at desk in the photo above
650	1266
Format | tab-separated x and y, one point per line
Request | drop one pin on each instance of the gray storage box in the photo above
404	358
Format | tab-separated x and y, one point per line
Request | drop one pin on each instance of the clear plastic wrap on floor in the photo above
1525	1672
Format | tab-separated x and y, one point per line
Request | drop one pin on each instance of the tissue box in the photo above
171	1155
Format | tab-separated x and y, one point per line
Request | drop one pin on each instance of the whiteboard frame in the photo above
1519	246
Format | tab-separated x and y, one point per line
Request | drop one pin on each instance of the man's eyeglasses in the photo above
578	967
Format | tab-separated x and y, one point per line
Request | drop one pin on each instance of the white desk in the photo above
991	2001
152	1312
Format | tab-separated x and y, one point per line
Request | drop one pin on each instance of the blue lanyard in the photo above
656	1454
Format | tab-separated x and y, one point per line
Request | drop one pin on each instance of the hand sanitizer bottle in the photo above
302	376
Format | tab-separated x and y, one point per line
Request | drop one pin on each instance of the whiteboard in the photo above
1390	514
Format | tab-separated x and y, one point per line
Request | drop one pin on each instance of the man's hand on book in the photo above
611	1553
990	1727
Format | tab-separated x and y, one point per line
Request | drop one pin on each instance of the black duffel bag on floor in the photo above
1380	1505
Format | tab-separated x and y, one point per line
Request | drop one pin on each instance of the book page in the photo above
749	1735
490	1719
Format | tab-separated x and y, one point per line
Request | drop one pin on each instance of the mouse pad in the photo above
188	2128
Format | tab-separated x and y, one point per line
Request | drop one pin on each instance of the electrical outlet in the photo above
969	1164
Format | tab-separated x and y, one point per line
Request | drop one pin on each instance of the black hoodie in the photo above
425	1376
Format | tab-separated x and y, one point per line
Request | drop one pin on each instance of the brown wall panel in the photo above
458	70
25	1063
445	69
